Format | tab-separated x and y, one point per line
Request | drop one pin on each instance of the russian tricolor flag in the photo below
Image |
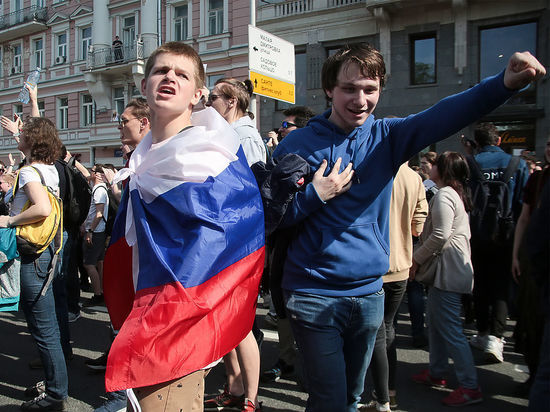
193	216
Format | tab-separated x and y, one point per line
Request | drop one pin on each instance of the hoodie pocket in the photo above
352	252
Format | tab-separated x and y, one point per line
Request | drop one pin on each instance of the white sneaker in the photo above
494	349
480	342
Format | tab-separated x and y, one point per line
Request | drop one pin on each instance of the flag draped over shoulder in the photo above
193	216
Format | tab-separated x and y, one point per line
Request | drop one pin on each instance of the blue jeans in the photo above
447	338
335	336
60	296
415	298
39	308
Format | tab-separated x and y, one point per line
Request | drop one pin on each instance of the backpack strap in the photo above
475	171
511	169
16	184
108	200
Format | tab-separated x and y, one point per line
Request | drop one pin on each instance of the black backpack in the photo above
491	219
78	196
113	208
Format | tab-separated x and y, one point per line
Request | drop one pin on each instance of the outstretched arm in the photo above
523	68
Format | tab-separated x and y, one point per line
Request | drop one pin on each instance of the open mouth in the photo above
167	90
357	112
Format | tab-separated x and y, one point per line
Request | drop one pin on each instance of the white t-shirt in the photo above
28	174
99	196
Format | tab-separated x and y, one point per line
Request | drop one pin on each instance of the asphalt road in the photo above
500	382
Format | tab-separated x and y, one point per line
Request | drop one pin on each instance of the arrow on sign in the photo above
255	83
255	48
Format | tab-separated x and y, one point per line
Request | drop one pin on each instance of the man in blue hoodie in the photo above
333	272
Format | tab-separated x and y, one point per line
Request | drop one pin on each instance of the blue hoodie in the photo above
342	246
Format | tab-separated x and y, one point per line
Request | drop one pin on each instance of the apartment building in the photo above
432	49
86	79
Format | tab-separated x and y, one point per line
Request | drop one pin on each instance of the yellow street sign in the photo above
270	87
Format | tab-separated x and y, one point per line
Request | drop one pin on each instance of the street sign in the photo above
270	87
272	65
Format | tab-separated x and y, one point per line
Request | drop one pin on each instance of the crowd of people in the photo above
335	220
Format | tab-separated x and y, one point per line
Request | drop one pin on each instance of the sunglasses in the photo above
286	125
122	122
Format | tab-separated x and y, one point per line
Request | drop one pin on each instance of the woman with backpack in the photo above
446	238
39	141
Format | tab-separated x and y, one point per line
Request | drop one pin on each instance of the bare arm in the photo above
40	207
33	95
115	188
100	207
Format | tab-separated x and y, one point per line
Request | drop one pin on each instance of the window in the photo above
61	43
17	49
212	79
497	44
423	59
18	110
86	42
38	53
215	16
118	93
1	63
41	108
129	31
88	110
62	113
135	91
180	23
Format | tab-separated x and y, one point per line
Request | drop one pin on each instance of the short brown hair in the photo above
240	90
179	49
140	108
364	55
430	157
40	134
8	178
486	134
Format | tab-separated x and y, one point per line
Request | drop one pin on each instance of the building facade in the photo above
431	48
87	79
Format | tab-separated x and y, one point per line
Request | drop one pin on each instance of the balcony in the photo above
23	22
111	56
297	7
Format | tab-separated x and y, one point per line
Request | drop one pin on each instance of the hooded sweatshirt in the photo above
342	245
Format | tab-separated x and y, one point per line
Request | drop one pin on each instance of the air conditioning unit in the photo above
16	69
60	59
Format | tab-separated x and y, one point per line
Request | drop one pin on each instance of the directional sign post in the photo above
272	65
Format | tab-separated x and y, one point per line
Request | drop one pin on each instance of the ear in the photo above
329	93
143	86
499	141
197	96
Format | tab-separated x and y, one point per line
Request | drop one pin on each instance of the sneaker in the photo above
393	399
276	372
479	341
35	390
116	402
463	397
73	316
98	364
44	402
494	349
249	406
224	400
270	321
425	378
374	406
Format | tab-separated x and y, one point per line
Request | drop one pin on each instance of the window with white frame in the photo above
38	53
88	110
118	99
85	41
129	31
215	17
61	46
181	27
41	108
62	113
212	79
1	62
17	58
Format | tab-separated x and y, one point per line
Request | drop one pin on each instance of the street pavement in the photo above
90	335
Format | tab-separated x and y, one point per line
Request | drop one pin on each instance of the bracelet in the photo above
16	134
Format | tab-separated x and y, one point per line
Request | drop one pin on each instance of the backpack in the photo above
113	208
78	196
491	219
34	238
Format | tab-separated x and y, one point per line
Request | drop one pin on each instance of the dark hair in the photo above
301	114
40	134
179	49
453	171
486	134
430	157
63	152
364	55
240	90
140	108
